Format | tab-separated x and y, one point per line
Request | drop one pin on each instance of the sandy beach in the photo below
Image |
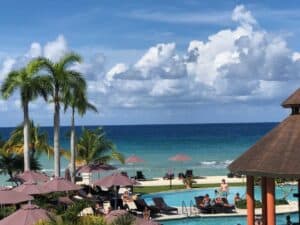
203	180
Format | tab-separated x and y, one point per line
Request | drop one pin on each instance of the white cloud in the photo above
7	66
56	49
34	51
240	64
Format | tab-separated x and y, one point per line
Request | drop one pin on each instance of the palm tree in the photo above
31	86
12	163
61	79
76	99
38	141
93	147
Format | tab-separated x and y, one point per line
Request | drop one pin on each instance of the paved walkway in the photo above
193	212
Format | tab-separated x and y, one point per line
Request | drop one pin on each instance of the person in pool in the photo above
224	188
237	198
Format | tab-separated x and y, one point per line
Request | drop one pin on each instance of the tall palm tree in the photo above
94	147
62	78
76	99
31	86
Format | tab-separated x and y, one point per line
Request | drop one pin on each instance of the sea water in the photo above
211	146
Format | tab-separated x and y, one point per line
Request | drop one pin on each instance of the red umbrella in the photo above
134	159
32	176
9	197
180	158
95	168
32	188
27	215
59	184
115	179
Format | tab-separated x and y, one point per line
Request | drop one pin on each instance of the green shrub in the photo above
71	213
126	219
6	211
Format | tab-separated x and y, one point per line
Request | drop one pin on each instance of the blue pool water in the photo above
280	219
175	198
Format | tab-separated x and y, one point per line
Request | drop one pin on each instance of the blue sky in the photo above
160	61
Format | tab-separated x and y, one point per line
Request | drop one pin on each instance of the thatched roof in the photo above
292	100
277	154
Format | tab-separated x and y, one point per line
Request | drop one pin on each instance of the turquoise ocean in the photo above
211	146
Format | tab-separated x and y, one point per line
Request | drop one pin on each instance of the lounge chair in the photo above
141	205
163	207
228	208
132	208
168	176
140	175
189	173
199	201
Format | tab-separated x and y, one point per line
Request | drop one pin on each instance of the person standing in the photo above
224	188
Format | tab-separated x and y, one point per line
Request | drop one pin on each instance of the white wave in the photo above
215	164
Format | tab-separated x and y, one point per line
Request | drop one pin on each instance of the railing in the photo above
184	209
192	208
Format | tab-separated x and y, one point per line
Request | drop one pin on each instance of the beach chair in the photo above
168	176
228	208
141	205
162	205
189	173
140	175
132	208
199	201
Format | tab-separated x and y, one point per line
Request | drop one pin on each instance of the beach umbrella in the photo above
59	184
32	176
9	197
134	159
95	167
27	215
113	180
180	158
32	188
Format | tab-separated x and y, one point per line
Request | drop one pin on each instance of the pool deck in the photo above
203	180
193	212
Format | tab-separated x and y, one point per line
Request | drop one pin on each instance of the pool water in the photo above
176	198
280	220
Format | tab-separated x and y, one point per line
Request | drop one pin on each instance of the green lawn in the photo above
153	189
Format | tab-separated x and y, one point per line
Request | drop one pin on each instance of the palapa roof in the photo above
292	100
277	154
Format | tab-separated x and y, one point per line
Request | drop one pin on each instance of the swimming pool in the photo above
175	198
280	219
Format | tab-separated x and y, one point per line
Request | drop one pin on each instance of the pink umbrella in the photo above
95	168
9	197
134	159
180	158
32	176
59	184
32	188
115	179
27	215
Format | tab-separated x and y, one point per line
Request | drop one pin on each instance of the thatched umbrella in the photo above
27	215
10	197
32	188
32	176
114	180
59	184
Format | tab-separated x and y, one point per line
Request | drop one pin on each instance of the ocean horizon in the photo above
212	146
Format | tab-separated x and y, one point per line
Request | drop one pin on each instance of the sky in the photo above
152	62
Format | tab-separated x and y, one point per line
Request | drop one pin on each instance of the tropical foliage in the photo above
30	86
38	141
94	147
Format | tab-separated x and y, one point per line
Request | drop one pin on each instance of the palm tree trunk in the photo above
26	137
56	136
72	144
